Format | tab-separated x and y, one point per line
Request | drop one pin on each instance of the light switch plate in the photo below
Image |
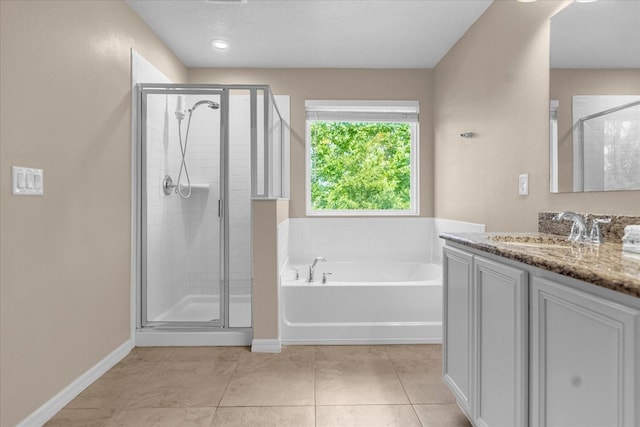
27	181
523	184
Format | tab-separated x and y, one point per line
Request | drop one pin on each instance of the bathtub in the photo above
362	303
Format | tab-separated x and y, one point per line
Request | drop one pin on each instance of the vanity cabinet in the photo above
585	359
523	346
499	350
456	362
485	336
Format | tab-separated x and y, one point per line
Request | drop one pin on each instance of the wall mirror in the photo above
595	97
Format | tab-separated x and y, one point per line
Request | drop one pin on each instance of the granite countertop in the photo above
604	265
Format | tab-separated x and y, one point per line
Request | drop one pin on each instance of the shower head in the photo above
210	104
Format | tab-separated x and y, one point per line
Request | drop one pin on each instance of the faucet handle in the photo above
324	276
601	220
596	233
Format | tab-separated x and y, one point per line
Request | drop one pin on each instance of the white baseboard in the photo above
266	346
66	395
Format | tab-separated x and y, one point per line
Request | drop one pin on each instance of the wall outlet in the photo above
523	184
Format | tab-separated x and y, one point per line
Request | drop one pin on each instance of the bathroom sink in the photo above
555	242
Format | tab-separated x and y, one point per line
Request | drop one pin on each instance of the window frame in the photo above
365	111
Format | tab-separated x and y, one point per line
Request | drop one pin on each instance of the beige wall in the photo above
65	268
303	84
267	214
283	211
564	84
495	83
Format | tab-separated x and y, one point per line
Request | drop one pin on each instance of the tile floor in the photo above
318	386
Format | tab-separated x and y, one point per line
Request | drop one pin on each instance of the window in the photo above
362	157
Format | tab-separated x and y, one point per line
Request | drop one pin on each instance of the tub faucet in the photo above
312	268
578	228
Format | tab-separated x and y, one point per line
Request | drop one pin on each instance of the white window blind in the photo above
366	111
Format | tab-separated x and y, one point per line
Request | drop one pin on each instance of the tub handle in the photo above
297	273
324	277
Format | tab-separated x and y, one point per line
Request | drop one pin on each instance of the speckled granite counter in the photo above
603	265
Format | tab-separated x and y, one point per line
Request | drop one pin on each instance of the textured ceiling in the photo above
311	33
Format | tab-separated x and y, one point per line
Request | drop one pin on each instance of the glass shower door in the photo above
182	215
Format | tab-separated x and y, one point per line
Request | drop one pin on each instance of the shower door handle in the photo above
220	207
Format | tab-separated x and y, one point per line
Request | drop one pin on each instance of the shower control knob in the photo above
167	185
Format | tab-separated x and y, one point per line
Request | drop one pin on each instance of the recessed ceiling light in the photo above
527	1
220	44
585	1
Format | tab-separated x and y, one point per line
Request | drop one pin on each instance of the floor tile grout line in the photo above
413	407
395	371
403	388
381	404
235	368
315	384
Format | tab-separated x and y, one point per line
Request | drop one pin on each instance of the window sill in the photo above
362	213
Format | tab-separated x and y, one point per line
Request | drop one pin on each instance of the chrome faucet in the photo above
312	268
578	228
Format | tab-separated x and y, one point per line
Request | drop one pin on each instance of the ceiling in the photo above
311	33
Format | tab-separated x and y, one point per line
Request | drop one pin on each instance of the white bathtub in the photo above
362	303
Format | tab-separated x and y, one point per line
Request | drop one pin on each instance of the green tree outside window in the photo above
360	166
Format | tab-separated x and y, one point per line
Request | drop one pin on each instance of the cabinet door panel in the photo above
584	359
457	316
500	344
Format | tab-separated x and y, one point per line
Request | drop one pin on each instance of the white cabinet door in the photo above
457	278
500	350
584	359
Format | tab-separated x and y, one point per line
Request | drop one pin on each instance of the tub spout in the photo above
312	268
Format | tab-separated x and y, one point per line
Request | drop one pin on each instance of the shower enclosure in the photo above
205	152
607	155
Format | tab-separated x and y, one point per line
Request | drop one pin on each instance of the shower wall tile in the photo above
166	262
239	201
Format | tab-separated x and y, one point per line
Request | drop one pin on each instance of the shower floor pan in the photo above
205	308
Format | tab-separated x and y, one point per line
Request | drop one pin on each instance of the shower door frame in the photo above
177	89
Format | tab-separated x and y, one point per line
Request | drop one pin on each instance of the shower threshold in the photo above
205	308
200	308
